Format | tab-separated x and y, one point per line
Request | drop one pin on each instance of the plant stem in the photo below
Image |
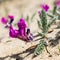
58	12
47	50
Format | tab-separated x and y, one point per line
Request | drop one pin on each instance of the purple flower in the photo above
13	32
10	16
22	26
21	32
4	20
58	3
22	23
45	7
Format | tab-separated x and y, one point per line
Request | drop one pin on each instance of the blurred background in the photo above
19	7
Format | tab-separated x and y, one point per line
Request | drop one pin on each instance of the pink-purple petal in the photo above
10	16
22	23
21	32
45	7
22	26
13	32
4	20
58	3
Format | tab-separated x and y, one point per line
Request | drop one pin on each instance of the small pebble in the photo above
50	55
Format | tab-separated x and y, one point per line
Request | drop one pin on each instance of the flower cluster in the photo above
45	7
21	32
6	21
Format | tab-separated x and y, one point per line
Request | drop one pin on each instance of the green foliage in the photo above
54	9
33	16
58	13
27	19
39	24
42	34
39	48
44	21
52	21
43	24
50	15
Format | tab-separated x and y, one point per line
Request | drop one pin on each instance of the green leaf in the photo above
44	21
33	16
42	34
39	24
52	21
58	14
27	19
59	49
54	9
39	48
50	15
59	17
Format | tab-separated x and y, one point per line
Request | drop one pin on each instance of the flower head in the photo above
58	3
21	32
4	20
45	7
22	24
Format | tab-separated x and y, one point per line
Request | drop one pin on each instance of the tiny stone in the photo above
50	55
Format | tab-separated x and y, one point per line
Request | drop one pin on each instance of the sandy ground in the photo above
13	48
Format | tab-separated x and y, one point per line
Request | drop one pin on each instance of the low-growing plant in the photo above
45	25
